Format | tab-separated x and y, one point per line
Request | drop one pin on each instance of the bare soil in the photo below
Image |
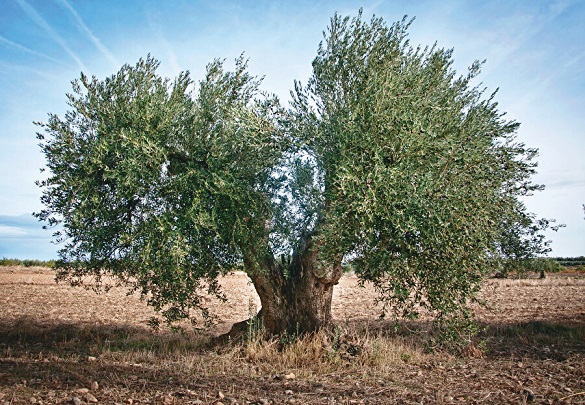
57	341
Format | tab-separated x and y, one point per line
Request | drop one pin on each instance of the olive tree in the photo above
385	158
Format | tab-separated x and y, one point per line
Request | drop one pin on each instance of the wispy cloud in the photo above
82	27
11	67
12	231
540	84
16	226
170	51
40	21
151	19
575	60
566	179
568	184
506	38
22	236
20	47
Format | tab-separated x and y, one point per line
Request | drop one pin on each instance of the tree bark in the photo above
295	293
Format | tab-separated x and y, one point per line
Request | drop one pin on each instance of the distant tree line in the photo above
27	263
571	261
550	265
542	265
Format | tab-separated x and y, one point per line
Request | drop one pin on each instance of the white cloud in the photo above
11	231
40	21
156	28
23	48
11	67
85	29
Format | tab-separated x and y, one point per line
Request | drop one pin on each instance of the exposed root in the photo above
237	332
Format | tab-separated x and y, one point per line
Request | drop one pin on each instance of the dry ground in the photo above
60	344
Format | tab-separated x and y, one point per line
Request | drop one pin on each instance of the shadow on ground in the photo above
45	362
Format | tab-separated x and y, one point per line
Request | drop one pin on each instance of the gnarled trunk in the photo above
296	292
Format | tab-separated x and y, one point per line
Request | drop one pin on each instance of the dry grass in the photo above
56	340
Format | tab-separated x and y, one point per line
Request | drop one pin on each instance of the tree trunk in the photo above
296	292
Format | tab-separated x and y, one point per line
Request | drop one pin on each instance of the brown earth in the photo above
56	341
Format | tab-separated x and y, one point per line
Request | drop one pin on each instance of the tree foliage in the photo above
159	187
386	158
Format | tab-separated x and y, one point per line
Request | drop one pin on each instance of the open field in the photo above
60	344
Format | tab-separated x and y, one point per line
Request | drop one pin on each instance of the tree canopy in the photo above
386	159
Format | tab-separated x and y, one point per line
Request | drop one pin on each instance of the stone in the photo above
91	398
290	376
95	386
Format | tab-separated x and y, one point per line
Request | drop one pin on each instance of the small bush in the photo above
580	267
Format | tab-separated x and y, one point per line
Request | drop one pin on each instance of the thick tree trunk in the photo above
296	292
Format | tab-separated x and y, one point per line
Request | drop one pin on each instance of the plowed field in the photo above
60	344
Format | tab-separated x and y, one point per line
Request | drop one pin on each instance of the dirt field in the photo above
60	344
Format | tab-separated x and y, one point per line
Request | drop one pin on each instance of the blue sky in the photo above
535	52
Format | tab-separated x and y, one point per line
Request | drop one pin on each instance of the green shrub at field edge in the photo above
27	263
